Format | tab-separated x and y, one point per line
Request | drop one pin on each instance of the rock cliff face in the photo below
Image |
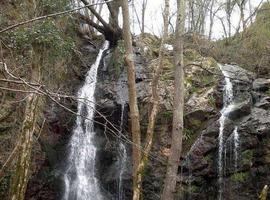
246	178
198	173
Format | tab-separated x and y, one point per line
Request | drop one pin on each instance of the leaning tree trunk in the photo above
21	174
133	105
178	106
111	31
22	170
153	105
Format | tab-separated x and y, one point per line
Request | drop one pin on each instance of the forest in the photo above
134	100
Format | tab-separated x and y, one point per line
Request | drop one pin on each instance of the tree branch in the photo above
51	15
102	21
91	23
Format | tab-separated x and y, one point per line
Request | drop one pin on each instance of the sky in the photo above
154	20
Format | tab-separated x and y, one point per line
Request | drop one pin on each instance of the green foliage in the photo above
45	34
212	101
239	177
117	60
194	189
267	92
187	134
208	157
4	185
50	6
191	55
167	114
206	80
247	157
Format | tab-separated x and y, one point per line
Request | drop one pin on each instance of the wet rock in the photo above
248	173
261	84
238	74
240	109
264	103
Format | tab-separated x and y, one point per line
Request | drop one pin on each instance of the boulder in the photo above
240	109
237	74
261	84
264	103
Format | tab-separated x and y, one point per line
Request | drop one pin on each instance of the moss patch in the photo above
239	177
247	157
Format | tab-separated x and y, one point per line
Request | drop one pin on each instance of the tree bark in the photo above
153	107
178	106
263	195
21	174
143	15
133	105
111	30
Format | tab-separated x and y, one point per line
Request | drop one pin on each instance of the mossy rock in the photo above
4	185
247	157
240	177
208	157
191	54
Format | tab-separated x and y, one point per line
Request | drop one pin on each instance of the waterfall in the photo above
122	155
122	158
189	177
236	146
80	176
227	107
122	165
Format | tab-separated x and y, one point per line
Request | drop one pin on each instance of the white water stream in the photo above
236	146
227	108
80	177
122	151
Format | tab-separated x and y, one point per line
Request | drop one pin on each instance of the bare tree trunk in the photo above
192	11
144	4
114	8
153	106
133	105
229	8
263	195
20	177
212	15
21	174
111	30
224	27
250	11
242	16
178	106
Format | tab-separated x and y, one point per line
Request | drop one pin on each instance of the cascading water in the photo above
227	108
122	155
236	146
80	177
189	177
122	162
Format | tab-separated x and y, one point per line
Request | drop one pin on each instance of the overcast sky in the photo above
154	17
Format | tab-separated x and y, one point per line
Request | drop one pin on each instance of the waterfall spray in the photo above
236	146
227	108
80	176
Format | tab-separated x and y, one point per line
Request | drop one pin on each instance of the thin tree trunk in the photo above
242	15
178	106
263	195
154	105
211	16
143	15
21	174
133	105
